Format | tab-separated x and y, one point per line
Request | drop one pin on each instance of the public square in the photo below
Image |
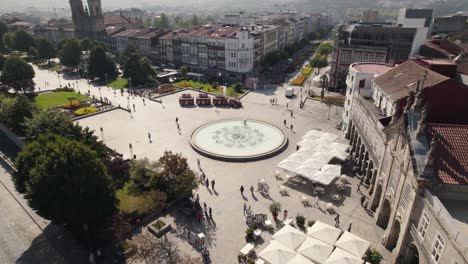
225	235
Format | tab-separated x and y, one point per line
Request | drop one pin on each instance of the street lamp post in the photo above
106	79
130	82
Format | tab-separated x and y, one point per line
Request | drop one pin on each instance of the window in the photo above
406	197
437	248
362	83
423	225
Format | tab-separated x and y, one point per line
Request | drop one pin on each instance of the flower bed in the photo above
72	105
85	111
299	80
306	70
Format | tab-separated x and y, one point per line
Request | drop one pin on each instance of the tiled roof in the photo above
451	157
399	81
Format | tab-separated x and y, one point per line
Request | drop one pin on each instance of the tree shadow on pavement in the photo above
54	245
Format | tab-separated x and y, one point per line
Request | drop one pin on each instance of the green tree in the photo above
23	41
15	110
142	173
194	20
127	53
139	70
325	48
174	176
319	61
184	71
100	64
18	74
238	87
163	21
2	61
65	182
85	44
59	123
32	52
118	169
3	30
45	50
70	53
8	39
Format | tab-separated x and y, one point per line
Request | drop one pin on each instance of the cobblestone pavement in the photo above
226	233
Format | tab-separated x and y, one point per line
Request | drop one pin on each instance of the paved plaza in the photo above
226	233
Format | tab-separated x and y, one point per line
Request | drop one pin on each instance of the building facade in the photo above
406	145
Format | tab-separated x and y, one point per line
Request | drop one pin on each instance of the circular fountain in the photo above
238	140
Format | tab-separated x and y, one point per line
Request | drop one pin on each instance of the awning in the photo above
324	232
290	237
353	244
277	253
339	256
315	250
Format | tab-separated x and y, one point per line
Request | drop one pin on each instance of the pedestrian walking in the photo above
212	184
177	120
178	127
251	189
291	127
287	104
291	113
349	227
204	206
284	122
337	220
297	147
211	213
198	162
207	183
149	136
316	202
285	214
144	101
134	108
203	176
242	190
197	197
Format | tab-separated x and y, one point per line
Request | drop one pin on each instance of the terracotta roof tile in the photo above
451	158
399	81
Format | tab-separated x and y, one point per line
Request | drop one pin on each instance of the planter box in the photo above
159	232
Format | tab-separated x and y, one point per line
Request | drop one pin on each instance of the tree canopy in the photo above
100	64
184	71
70	53
2	61
45	50
163	21
319	61
59	123
8	39
325	48
14	111
23	41
65	181
3	30
85	44
139	70
17	73
127	53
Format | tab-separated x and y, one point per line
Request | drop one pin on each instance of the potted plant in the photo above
275	209
300	221
373	256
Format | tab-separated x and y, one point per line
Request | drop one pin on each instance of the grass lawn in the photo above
129	203
56	98
119	83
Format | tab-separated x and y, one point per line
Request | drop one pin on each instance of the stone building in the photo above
89	20
375	43
411	150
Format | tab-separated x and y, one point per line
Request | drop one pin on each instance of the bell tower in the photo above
79	17
96	16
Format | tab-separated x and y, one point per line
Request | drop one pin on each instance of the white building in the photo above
419	19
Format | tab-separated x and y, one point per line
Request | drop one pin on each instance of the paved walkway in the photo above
226	233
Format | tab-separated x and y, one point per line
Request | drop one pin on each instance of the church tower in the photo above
79	17
96	16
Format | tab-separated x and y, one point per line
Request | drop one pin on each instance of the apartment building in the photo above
217	51
408	146
363	42
451	24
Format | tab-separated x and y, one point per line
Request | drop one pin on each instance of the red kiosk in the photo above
220	100
203	99
235	102
186	99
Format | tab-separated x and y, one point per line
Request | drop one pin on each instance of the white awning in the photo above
299	259
277	253
353	244
315	250
324	232
339	256
290	237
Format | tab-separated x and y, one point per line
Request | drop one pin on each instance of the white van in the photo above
289	92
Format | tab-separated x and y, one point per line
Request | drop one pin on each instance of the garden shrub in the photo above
300	220
72	105
64	89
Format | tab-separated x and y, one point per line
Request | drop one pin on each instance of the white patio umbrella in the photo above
290	237
299	259
316	133
277	253
315	250
324	232
339	256
353	244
